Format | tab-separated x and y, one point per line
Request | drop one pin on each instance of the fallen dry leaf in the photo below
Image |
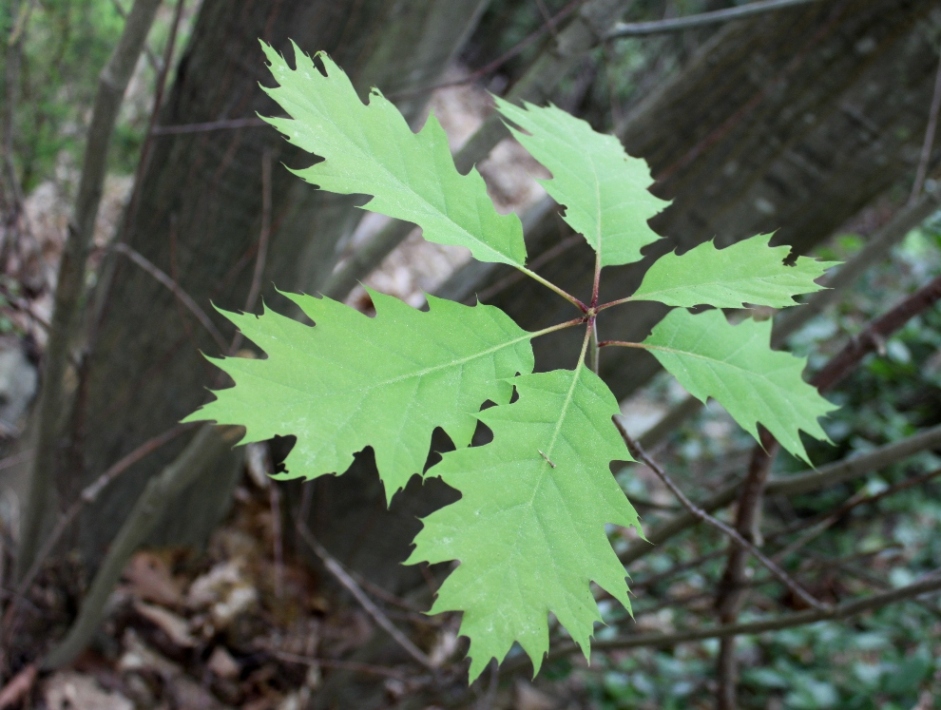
150	579
222	664
187	693
68	690
226	591
139	657
174	626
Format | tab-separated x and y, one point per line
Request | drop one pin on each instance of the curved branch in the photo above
678	24
830	475
931	583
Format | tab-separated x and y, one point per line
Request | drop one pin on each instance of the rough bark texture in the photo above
196	215
791	122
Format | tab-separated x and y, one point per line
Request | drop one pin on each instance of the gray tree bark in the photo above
793	122
196	215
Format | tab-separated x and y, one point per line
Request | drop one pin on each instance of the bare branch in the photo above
928	144
206	446
929	584
174	288
824	477
705	19
336	569
88	495
152	58
265	234
730	593
875	335
112	83
332	663
222	124
732	534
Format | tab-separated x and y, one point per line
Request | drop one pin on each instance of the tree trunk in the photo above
196	214
792	121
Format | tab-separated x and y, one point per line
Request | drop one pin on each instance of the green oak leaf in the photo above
604	190
352	381
369	149
749	271
529	528
735	365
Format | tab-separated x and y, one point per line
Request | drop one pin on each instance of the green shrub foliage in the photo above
529	529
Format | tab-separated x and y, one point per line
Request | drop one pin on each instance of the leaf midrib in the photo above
705	284
394	178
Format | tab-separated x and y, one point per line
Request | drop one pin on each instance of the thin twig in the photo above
274	499
826	476
333	663
678	24
70	287
874	336
928	143
265	234
549	26
208	444
263	237
929	584
549	22
730	593
88	496
174	288
143	163
826	520
702	515
106	272
14	56
148	52
22	22
222	124
732	587
343	577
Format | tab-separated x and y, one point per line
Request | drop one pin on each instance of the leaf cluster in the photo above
529	530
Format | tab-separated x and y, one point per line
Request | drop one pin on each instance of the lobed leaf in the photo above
352	381
736	366
604	190
749	271
529	528
369	149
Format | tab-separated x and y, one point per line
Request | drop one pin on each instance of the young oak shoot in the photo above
529	529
